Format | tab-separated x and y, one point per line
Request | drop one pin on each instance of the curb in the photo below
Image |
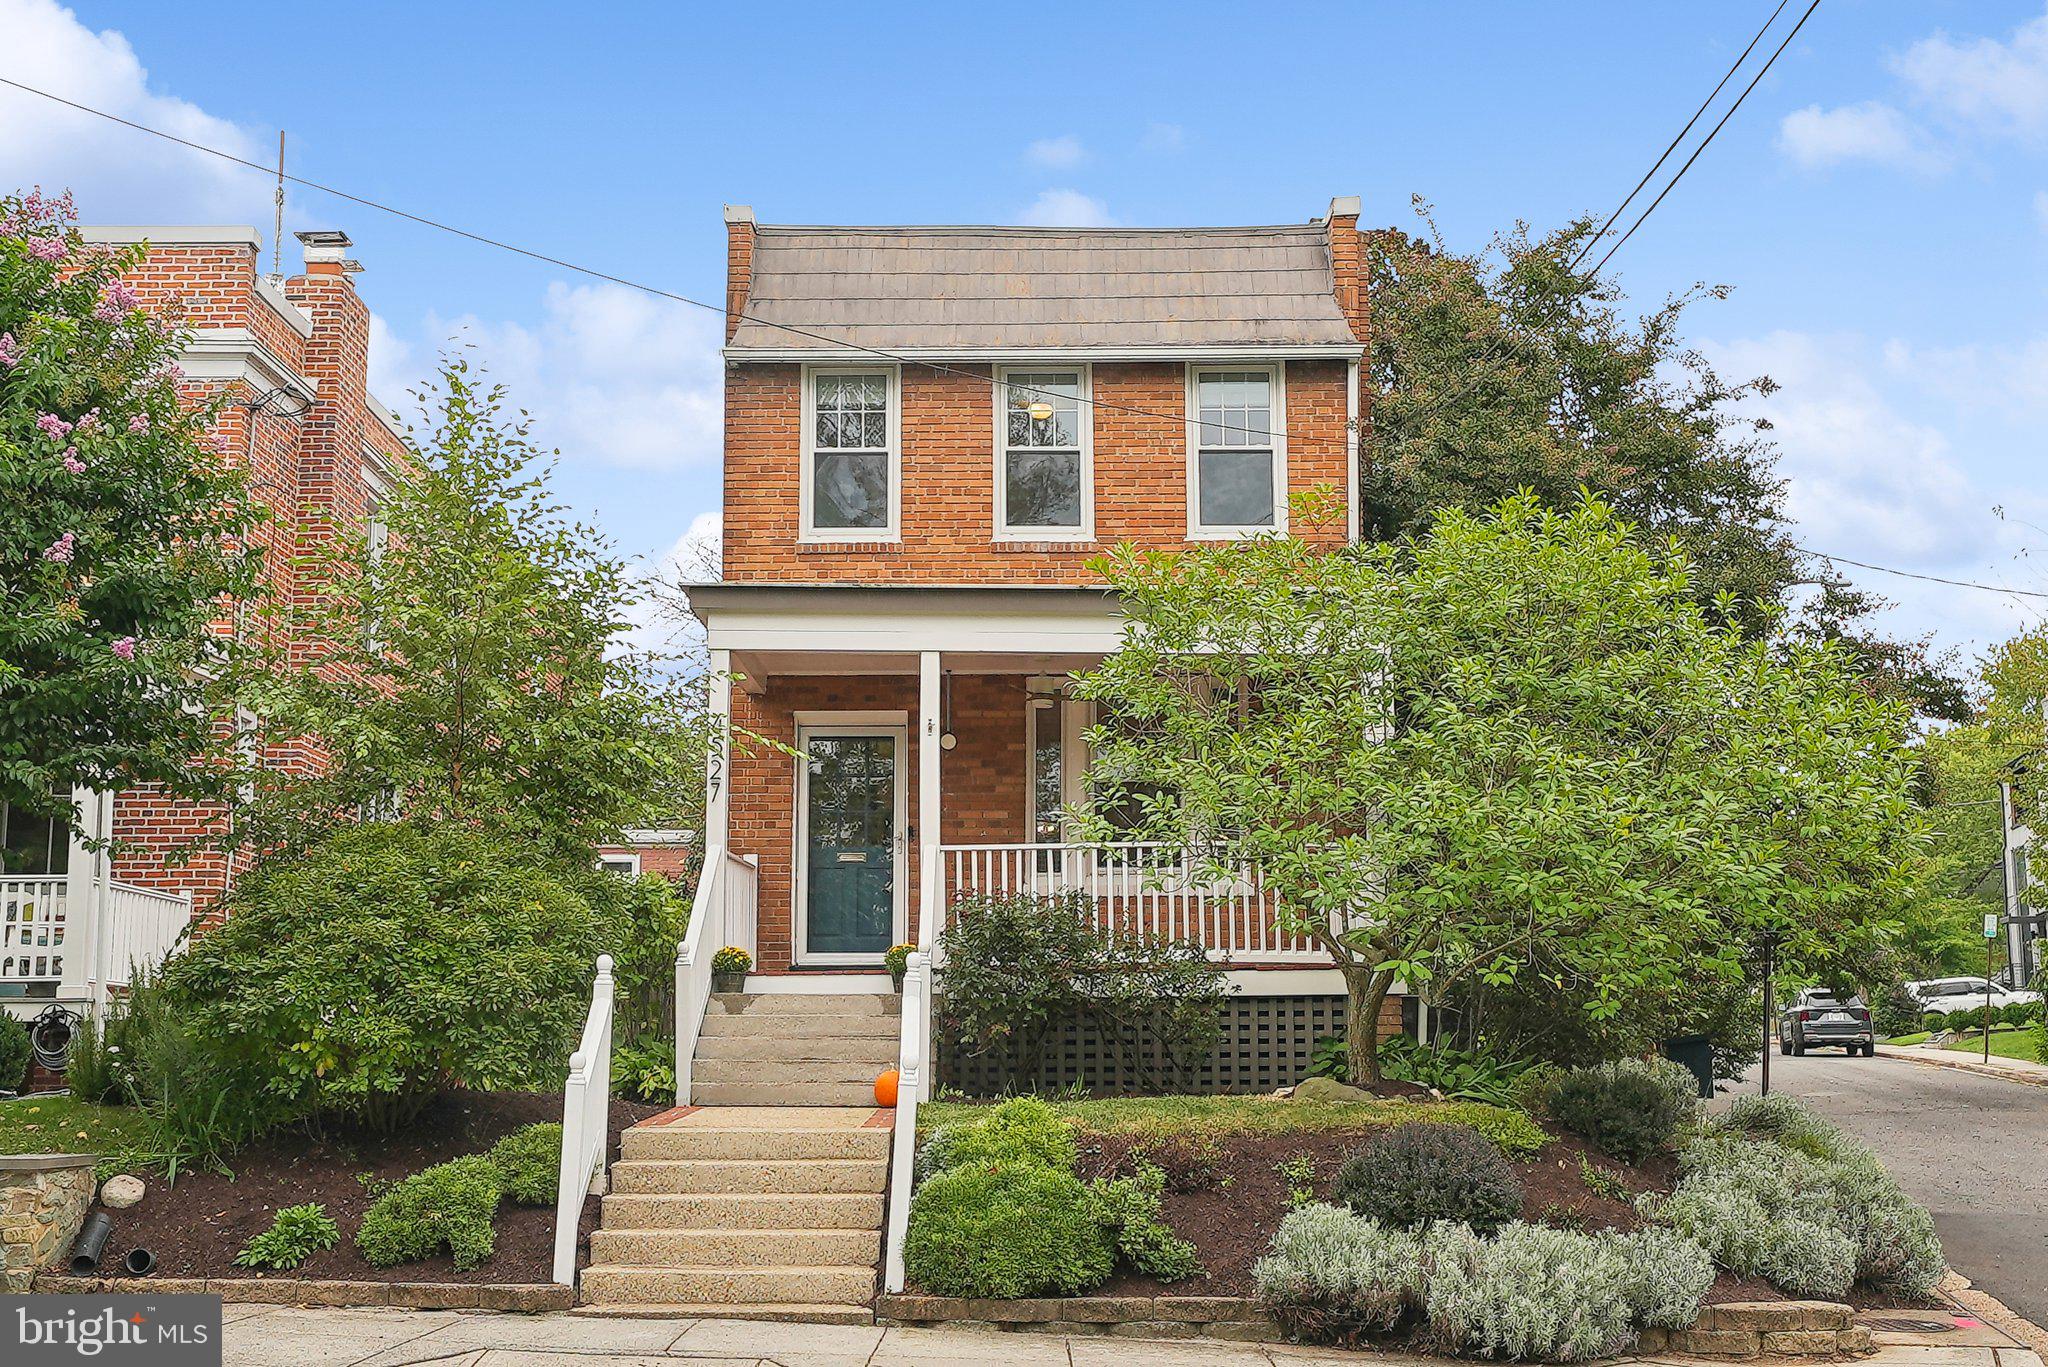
518	1298
2026	1078
1994	1312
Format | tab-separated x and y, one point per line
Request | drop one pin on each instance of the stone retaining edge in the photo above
1740	1330
522	1298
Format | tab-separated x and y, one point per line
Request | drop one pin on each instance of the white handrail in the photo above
721	914
586	1121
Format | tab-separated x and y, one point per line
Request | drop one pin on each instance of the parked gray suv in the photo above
1818	1019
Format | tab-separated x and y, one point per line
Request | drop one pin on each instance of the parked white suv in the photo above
1943	995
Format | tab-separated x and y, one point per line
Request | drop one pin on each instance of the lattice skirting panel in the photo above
1266	1043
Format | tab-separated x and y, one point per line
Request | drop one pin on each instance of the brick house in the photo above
928	433
292	355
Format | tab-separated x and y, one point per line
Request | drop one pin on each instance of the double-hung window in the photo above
1043	477
1237	475
851	483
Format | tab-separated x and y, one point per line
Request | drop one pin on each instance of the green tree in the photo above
1528	376
469	666
1515	744
125	530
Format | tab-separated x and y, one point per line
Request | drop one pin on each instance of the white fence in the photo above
1136	888
728	893
89	943
586	1120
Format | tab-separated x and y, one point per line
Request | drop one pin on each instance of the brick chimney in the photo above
1347	261
739	263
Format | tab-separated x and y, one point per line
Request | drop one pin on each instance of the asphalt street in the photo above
1972	1149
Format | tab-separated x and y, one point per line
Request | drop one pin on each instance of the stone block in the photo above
1206	1309
1653	1340
434	1295
1244	1331
1156	1329
1717	1343
1855	1339
1010	1312
1106	1309
1799	1342
531	1298
1776	1316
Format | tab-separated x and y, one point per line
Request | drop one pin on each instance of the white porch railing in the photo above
1134	888
914	1064
722	914
586	1121
87	943
34	916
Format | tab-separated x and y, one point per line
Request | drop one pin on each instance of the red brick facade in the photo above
293	359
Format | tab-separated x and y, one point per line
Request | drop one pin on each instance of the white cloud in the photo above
394	365
1057	153
661	623
1066	209
1163	138
1994	86
1871	131
117	174
611	375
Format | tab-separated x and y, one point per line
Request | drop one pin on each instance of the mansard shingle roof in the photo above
1020	289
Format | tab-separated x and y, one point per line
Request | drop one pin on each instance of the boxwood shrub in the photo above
1628	1109
1417	1174
1006	1231
449	1205
529	1161
1021	1130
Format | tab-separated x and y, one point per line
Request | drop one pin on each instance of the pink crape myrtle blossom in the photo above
62	549
72	462
125	647
46	248
138	422
53	427
117	302
10	350
88	424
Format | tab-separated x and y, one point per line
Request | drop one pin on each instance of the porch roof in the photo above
908	619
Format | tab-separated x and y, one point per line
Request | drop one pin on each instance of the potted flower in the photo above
729	969
897	961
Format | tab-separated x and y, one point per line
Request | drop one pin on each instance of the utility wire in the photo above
994	384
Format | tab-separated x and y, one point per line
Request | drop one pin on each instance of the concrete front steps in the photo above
768	1212
795	1048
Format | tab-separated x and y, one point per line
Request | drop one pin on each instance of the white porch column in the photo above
928	822
718	770
85	903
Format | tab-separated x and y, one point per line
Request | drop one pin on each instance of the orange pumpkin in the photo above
885	1089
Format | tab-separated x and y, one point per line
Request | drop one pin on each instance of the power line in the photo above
990	380
1709	139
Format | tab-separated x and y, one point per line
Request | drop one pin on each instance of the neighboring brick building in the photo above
928	434
291	355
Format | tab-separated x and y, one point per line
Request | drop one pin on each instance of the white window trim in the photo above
817	535
630	857
895	725
1196	531
1086	415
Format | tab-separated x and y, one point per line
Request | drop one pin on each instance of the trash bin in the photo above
1696	1053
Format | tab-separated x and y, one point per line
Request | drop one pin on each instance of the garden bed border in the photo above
1737	1330
531	1298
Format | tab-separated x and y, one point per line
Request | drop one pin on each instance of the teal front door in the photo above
851	841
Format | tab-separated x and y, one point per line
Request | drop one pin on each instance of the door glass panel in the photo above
850	868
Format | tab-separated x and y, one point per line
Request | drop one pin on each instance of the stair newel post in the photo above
586	1110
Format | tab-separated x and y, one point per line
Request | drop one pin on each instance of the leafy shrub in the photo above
1969	1018
1934	1022
1668	1277
1460	1074
1528	1292
1807	1258
1331	1275
91	1075
204	1101
1628	1109
2020	1013
732	959
644	918
1022	1130
1895	1011
1019	966
449	1205
1416	1174
1006	1232
386	962
647	1071
295	1235
15	1049
529	1162
1129	1209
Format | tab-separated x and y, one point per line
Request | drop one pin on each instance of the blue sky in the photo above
1879	205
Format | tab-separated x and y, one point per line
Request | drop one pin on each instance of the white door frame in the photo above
894	724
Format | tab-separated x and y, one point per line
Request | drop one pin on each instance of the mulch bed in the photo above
196	1225
1227	1196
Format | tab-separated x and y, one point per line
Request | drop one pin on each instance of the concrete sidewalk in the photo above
273	1336
2010	1069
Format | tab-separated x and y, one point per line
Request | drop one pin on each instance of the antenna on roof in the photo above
277	236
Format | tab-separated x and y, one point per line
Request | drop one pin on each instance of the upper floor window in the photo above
1044	476
851	455
1237	477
